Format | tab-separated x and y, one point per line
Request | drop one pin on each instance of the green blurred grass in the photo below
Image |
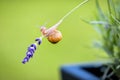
18	21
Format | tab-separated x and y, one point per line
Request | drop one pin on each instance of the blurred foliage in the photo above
107	24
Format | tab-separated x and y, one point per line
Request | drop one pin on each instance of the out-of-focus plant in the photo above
107	24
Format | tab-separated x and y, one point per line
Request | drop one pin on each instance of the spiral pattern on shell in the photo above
54	37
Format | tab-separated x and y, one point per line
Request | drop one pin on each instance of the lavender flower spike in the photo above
31	50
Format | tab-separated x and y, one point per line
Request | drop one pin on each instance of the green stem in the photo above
74	9
61	20
105	73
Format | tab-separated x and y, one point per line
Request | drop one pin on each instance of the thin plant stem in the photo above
114	8
110	12
105	73
115	19
61	20
109	8
74	9
110	74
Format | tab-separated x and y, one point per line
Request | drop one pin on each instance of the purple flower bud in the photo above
23	61
26	59
29	54
31	49
33	45
38	40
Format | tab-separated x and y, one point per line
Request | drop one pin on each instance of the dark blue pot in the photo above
86	71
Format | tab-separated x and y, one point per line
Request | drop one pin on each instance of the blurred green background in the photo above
19	26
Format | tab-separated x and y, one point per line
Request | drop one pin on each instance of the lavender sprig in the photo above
31	50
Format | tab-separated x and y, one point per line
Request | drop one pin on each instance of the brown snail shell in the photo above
55	36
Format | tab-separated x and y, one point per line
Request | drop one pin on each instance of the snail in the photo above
52	35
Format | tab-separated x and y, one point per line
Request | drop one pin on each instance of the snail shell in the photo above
54	37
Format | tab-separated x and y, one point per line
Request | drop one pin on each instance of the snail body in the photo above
53	35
